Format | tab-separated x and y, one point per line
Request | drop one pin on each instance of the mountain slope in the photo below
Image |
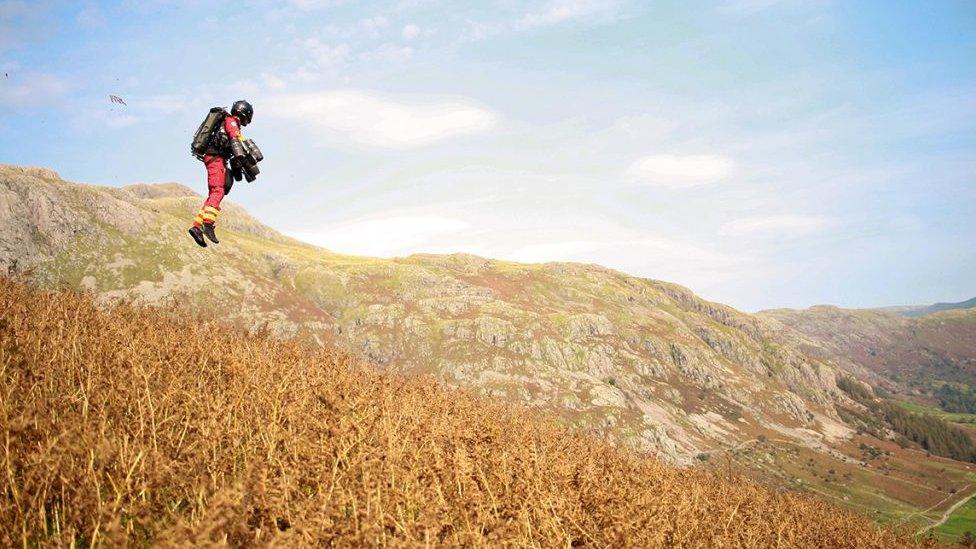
905	355
131	427
648	361
644	362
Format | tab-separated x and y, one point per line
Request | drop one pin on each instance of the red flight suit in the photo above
217	176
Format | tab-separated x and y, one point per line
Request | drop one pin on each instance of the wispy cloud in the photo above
409	32
664	253
22	21
326	55
390	53
384	236
308	5
753	6
100	113
385	121
31	89
375	26
475	31
681	171
776	226
119	121
273	81
560	11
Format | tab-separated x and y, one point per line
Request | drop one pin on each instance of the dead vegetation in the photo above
132	426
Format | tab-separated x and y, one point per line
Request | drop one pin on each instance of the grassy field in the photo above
132	426
961	521
900	487
953	417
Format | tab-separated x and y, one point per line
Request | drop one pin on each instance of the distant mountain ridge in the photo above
922	310
909	355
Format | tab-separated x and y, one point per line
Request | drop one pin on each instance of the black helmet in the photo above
243	111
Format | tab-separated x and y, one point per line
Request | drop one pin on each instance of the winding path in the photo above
945	516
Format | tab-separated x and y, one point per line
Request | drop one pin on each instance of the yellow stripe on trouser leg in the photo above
210	214
198	220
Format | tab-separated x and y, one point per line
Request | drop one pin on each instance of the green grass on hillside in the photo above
961	521
954	417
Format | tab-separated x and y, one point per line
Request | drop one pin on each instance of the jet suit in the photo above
219	179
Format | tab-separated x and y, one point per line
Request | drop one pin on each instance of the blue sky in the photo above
764	153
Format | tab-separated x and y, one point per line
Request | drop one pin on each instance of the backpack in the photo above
202	139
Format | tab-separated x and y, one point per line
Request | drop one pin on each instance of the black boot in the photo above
208	229
197	235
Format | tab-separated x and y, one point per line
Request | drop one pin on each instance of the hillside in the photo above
910	356
132	426
647	361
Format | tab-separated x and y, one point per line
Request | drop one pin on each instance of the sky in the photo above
764	153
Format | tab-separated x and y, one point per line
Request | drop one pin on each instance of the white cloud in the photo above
476	31
22	21
308	5
410	32
164	103
119	121
138	108
31	89
391	53
656	251
551	13
681	171
559	11
775	226
324	54
273	81
748	5
404	5
385	236
374	26
565	250
753	6
384	121
649	255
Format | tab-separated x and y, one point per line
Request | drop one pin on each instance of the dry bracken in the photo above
124	425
